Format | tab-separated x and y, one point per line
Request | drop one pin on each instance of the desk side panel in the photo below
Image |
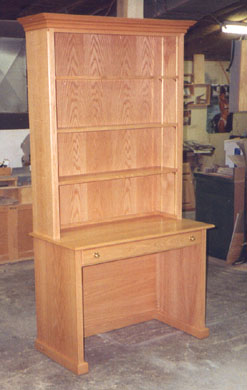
181	288
59	305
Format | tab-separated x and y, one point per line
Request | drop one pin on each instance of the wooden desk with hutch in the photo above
106	117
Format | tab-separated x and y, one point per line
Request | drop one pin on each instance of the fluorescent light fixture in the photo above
234	28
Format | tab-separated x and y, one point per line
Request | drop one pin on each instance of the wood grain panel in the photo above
73	204
123	197
72	153
25	227
109	199
128	230
170	56
4	252
114	175
43	137
168	148
117	293
95	55
12	227
168	203
92	103
139	248
170	101
81	153
181	291
58	289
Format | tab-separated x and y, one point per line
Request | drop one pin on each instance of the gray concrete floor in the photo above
145	356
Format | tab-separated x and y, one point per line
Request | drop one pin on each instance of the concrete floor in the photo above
145	356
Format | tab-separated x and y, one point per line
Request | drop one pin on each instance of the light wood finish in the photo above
59	305
116	291
135	230
8	181
109	25
99	201
116	127
149	246
95	141
180	304
4	250
5	171
16	225
112	151
114	175
43	140
21	194
107	173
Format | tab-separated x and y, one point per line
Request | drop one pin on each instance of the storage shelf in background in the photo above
196	93
124	174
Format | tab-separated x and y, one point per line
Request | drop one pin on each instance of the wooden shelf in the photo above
117	127
88	178
115	78
6	181
192	105
202	90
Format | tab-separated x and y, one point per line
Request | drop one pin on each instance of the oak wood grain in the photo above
106	102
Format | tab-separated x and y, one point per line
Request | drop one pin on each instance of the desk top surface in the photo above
119	232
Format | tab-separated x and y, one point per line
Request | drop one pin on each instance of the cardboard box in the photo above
231	148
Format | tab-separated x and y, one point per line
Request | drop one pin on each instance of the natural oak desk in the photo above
106	276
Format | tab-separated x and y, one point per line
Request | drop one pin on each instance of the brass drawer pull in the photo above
192	238
96	255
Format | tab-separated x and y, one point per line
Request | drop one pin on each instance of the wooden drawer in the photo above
139	248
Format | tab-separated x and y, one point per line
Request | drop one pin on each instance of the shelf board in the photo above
135	126
194	105
124	174
114	78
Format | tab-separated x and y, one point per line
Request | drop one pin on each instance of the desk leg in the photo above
181	288
58	284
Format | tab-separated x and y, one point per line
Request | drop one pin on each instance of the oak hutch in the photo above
106	117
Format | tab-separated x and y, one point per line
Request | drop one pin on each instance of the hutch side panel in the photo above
42	117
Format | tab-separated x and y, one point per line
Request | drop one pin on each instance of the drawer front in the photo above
139	248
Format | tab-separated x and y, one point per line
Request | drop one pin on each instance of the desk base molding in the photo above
78	368
199	333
